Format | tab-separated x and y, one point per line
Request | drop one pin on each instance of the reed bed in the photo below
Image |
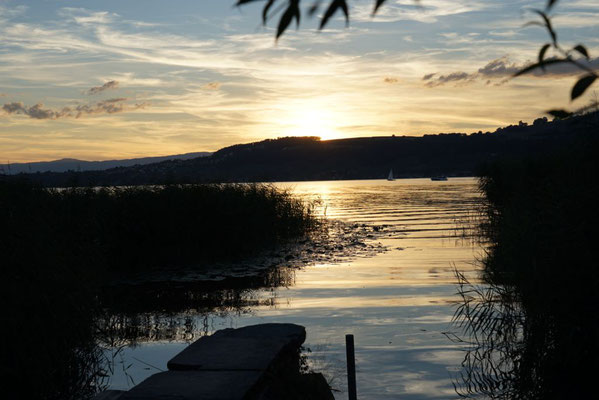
60	246
532	328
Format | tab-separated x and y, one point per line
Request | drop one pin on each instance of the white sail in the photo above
390	177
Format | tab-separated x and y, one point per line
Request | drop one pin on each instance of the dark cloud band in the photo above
502	68
110	106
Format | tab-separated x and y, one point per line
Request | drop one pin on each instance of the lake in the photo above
396	299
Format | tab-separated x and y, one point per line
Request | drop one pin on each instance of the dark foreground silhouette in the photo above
62	248
533	328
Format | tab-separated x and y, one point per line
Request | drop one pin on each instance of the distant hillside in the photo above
71	164
308	158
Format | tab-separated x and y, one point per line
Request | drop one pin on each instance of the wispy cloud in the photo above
83	16
106	86
409	10
7	13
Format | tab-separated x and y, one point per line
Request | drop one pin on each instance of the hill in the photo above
309	158
71	164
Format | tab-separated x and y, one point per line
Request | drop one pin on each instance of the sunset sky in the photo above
114	79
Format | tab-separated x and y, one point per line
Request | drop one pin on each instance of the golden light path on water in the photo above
398	303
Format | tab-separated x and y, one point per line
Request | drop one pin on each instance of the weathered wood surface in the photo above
254	362
253	348
195	385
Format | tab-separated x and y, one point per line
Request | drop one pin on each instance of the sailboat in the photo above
390	177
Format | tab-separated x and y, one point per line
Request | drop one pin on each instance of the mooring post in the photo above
351	367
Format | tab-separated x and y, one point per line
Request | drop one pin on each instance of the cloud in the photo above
503	69
85	17
37	111
443	79
390	80
106	86
406	10
212	86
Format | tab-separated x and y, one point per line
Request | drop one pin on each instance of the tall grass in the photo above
59	246
542	279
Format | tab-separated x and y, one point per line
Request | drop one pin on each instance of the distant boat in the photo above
390	177
438	178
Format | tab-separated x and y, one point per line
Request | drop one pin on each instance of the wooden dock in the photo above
254	362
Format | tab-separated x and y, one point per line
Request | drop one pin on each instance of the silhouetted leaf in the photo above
582	85
550	4
267	7
582	50
314	8
542	55
291	12
533	23
377	5
561	114
538	65
241	2
335	4
548	26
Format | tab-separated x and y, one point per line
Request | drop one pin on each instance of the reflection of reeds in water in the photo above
491	324
321	359
156	312
470	226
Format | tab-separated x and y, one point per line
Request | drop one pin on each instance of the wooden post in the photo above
351	367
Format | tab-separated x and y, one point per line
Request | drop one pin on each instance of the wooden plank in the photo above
195	385
252	348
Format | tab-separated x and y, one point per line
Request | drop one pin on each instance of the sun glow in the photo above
311	122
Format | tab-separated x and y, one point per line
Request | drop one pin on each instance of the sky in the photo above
99	80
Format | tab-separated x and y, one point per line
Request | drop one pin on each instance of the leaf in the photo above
561	114
242	2
335	4
314	8
539	65
550	4
582	50
542	55
291	12
267	7
533	23
377	5
582	85
548	26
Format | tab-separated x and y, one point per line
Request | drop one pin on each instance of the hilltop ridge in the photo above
73	164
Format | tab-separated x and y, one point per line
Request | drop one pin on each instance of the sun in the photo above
311	122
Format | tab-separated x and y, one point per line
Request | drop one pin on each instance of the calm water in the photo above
397	303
